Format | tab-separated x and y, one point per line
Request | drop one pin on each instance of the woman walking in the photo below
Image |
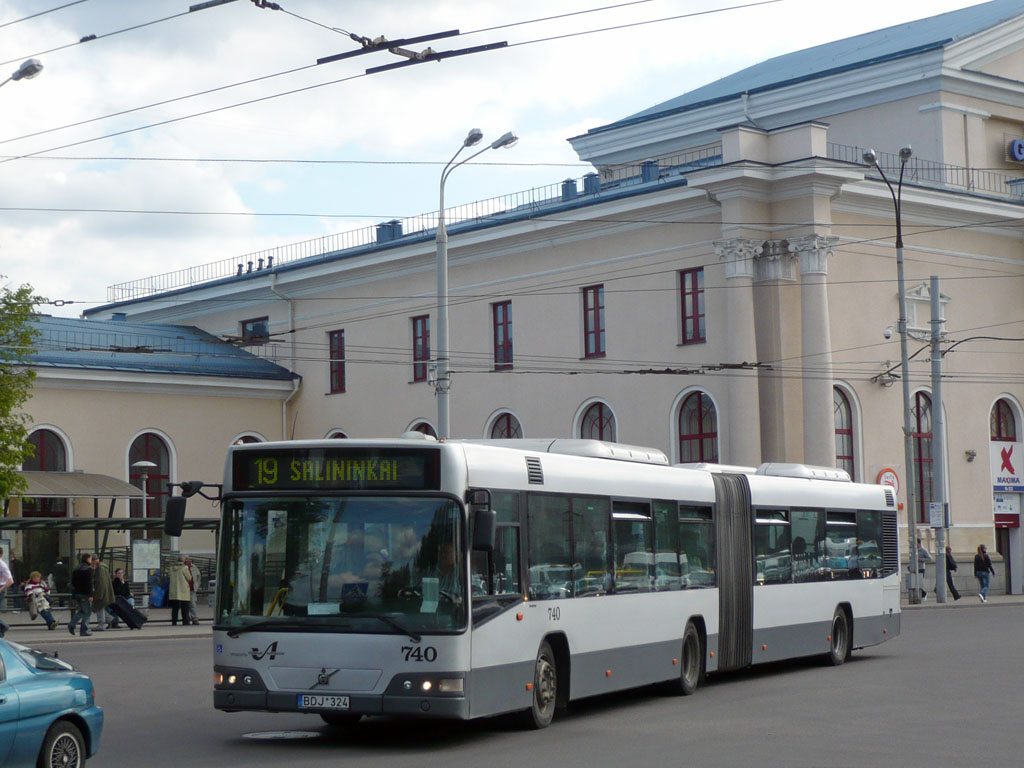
982	569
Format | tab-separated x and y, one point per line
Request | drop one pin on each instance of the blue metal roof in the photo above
854	52
116	345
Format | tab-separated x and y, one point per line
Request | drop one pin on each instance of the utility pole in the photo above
938	446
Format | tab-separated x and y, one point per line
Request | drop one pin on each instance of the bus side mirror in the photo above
174	516
484	519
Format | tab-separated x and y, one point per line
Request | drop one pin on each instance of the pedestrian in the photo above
37	593
102	592
922	558
178	591
950	567
81	596
59	580
121	589
982	569
6	580
194	582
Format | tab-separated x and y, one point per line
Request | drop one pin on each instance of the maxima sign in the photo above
1016	150
1007	462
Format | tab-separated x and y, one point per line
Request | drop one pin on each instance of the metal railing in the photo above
931	173
490	210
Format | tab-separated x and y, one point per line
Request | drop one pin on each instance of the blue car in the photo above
48	712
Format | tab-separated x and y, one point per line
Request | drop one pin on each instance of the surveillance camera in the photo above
887	333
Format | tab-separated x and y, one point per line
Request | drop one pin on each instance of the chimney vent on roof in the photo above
389	230
649	171
568	189
591	184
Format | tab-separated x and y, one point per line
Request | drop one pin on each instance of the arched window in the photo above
506	426
337	435
1003	425
150	447
425	428
922	439
41	548
246	439
698	429
50	456
598	423
844	430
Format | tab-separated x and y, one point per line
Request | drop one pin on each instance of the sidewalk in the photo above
965	601
34	633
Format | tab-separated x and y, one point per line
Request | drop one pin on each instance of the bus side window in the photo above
667	574
772	557
808	531
869	543
634	551
550	567
696	547
497	573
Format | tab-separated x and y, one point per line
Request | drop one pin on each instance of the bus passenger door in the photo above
735	571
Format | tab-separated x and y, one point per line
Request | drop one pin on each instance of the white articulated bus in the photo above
462	579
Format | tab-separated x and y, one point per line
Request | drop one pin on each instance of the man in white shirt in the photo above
6	580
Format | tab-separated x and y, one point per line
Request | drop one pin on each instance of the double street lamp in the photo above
28	69
871	158
442	384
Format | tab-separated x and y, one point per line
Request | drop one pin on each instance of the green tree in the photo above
17	336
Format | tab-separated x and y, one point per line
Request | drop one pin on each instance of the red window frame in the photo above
843	415
593	321
600	419
50	456
336	366
501	320
420	346
1003	426
698	429
691	294
150	447
506	426
923	460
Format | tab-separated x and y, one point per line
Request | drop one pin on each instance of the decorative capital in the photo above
738	254
813	251
776	262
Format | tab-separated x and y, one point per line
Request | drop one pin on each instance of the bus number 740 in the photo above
416	653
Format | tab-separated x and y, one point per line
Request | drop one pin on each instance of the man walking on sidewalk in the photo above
950	567
81	596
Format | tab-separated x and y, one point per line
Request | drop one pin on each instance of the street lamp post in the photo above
442	385
28	69
871	158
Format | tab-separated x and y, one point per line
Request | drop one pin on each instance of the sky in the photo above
158	178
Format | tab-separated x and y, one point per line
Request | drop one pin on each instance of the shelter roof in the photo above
77	485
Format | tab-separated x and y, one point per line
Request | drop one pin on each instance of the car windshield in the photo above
343	563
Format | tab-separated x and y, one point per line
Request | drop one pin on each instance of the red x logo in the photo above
1006	453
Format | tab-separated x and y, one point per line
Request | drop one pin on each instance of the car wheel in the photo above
63	747
545	689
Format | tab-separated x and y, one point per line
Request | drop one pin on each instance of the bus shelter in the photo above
72	486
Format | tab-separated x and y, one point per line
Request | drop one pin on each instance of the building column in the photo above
739	419
816	349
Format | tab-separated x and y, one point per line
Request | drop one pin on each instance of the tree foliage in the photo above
17	337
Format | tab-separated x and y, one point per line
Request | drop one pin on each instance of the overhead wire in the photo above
37	15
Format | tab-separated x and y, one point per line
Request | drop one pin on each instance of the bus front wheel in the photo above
545	689
839	640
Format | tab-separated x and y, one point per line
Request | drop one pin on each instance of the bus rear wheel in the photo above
839	641
545	689
691	670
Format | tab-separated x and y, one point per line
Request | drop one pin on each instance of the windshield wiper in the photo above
415	637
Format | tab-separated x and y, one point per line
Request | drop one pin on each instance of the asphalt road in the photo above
949	691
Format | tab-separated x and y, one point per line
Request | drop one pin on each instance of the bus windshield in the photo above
343	563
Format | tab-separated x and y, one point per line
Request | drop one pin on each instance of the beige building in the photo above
722	287
110	394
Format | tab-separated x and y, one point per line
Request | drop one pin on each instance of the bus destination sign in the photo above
335	469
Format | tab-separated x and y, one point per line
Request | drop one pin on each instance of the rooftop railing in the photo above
481	211
591	186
